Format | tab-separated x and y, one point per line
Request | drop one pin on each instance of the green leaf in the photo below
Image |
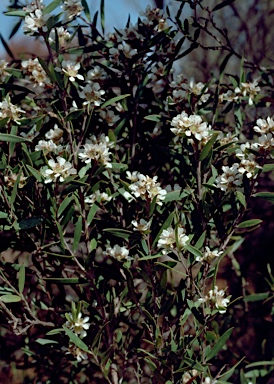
30	223
259	363
21	278
219	345
35	173
15	13
65	203
257	296
249	223
66	280
102	12
6	47
150	257
156	118
241	197
3	215
45	341
12	138
77	233
268	167
10	298
173	196
222	4
86	9
55	331
200	241
76	340
208	146
54	4
269	196
94	208
4	121
193	250
123	233
114	100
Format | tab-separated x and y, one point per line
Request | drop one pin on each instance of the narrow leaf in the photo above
269	196
34	173
3	215
45	341
156	118
6	47
92	213
76	340
208	146
12	138
114	100
77	233
54	4
10	298
219	345
222	4
257	296
102	11
249	223
21	278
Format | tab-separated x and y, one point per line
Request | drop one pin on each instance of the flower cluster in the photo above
79	326
97	149
9	110
117	252
230	179
189	126
171	239
146	187
209	255
35	73
59	170
216	299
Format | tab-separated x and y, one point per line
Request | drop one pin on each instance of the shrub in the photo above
124	186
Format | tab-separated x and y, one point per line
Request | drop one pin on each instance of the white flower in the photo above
248	165
70	69
63	36
96	73
264	126
98	196
167	239
35	73
7	109
227	138
189	375
162	25
3	72
119	253
208	380
54	134
266	142
34	21
127	50
78	325
152	15
192	125
231	178
11	179
97	149
108	116
77	352
141	226
209	255
48	146
249	89
147	188
59	170
72	8
216	299
92	93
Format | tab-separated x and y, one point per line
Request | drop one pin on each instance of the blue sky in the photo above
117	12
